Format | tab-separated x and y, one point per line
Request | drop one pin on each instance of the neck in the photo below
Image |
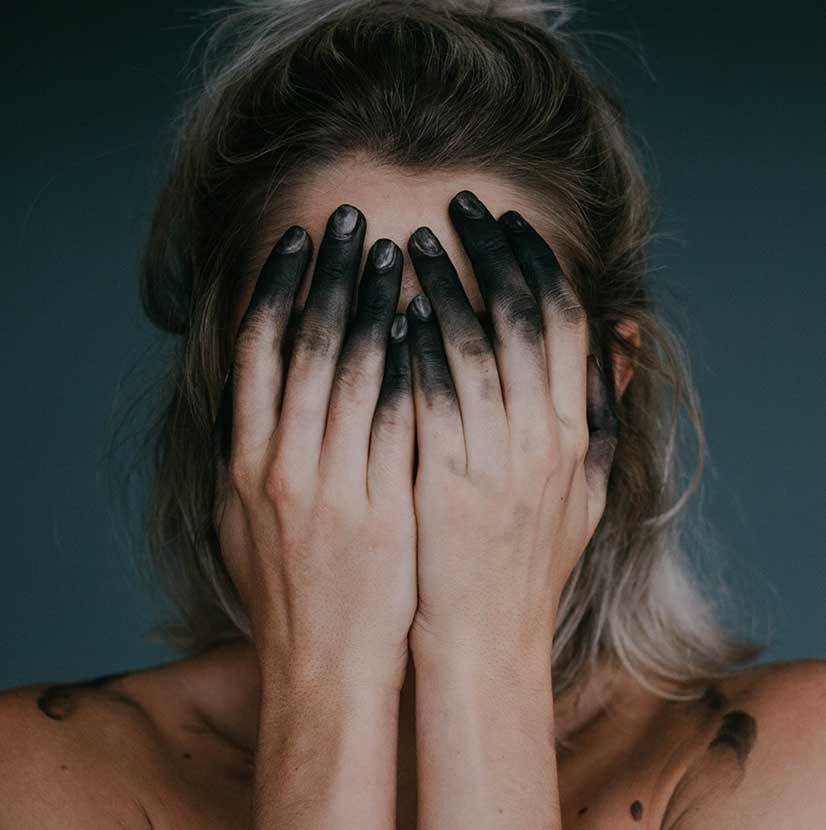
224	685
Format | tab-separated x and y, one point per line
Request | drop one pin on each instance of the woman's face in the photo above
394	205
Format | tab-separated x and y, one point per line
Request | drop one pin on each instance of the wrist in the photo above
465	659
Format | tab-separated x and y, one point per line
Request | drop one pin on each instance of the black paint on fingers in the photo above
396	383
599	408
327	308
378	295
539	264
603	424
460	326
507	296
431	372
271	301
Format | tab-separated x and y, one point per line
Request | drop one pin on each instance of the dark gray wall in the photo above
734	118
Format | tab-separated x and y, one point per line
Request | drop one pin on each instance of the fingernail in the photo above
469	204
398	331
292	240
513	220
384	254
345	219
421	306
426	242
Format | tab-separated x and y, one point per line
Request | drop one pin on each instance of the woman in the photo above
419	508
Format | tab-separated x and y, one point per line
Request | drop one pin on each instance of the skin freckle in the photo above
636	810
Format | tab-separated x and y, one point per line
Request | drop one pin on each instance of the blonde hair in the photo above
290	86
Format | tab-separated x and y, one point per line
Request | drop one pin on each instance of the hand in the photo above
315	519
510	484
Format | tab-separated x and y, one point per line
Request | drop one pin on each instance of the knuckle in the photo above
279	485
314	339
580	441
565	303
239	475
350	379
250	335
475	347
571	312
524	316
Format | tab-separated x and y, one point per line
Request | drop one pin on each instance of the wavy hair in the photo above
290	86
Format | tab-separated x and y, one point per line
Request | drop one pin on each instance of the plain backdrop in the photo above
730	103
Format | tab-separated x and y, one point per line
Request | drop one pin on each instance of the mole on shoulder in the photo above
738	731
59	700
582	811
636	810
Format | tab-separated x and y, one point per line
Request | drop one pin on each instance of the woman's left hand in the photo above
515	441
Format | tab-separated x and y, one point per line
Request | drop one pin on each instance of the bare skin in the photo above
173	746
181	752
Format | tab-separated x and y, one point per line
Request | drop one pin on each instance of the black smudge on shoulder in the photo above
738	731
59	701
636	810
713	698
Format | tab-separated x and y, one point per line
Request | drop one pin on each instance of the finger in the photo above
515	317
358	376
469	351
252	390
393	434
566	324
319	339
439	433
603	431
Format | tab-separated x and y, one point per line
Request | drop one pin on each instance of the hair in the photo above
291	86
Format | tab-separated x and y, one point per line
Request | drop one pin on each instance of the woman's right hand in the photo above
314	500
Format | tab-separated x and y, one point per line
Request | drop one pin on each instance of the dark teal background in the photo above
732	111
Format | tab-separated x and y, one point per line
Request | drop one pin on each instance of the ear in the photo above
629	331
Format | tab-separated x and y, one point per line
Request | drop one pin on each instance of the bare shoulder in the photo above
75	755
764	759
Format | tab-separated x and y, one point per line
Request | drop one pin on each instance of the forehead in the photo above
395	203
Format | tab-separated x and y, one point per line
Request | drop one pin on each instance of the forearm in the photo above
485	746
325	758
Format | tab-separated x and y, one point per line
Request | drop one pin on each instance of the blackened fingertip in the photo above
600	408
383	254
513	221
344	220
467	202
426	242
292	240
420	306
398	330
